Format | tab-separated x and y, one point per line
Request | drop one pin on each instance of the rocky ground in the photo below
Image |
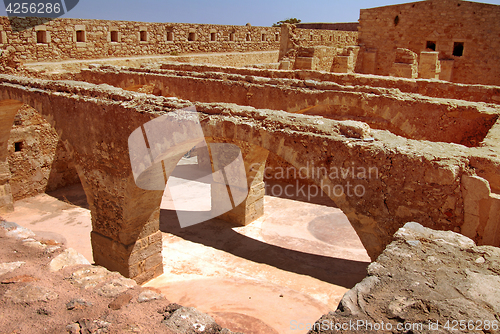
45	288
425	281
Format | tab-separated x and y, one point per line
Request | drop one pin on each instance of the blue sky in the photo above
237	12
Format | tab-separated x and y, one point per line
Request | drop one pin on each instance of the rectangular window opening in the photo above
312	37
41	37
18	146
170	36
144	36
263	37
231	37
431	45
458	49
213	37
80	35
277	37
114	36
191	37
248	38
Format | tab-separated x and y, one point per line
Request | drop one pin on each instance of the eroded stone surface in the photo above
424	277
30	293
69	257
116	287
10	267
89	276
190	321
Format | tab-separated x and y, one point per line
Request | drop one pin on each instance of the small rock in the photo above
96	326
34	244
120	301
73	328
50	242
116	286
30	294
148	295
189	320
69	257
133	329
42	311
51	249
20	279
78	304
414	243
397	307
9	267
480	260
89	277
16	231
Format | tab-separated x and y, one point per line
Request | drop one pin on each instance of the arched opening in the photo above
299	247
45	188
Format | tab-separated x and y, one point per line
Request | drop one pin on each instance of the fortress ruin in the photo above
422	109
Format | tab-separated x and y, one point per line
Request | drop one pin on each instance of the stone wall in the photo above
38	161
346	26
465	34
334	38
415	117
416	180
440	89
293	40
425	281
63	39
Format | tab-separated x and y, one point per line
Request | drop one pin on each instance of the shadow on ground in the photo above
219	234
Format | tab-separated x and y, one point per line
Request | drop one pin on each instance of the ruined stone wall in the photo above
63	39
442	25
346	26
415	117
440	89
334	38
38	161
419	181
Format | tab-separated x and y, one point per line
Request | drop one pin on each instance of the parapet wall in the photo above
334	38
412	116
346	26
431	88
465	34
63	39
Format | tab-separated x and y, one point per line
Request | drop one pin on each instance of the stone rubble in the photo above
103	302
423	278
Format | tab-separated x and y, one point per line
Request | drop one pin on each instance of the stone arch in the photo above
8	110
125	219
96	122
296	154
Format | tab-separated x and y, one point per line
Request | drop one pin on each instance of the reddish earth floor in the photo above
275	275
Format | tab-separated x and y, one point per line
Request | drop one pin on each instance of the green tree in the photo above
289	20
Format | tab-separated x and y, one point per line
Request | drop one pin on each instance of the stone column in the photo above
285	40
446	69
370	61
429	66
8	111
252	207
125	227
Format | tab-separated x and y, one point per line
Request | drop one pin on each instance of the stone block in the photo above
446	69
304	63
429	66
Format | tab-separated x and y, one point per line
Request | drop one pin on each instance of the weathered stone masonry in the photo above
63	39
465	35
432	183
